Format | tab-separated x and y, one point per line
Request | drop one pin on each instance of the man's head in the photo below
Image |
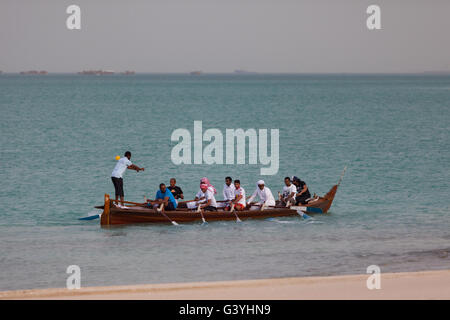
287	181
162	187
237	183
228	181
203	187
260	184
173	182
128	155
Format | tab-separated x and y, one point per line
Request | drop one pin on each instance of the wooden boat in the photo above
140	213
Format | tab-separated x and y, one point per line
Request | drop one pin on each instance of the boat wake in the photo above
281	221
302	221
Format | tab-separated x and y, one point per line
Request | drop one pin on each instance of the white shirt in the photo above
228	192
288	190
199	194
265	196
209	195
238	192
120	167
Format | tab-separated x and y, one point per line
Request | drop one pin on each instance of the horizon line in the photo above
246	73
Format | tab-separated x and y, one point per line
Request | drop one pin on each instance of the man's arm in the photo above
238	197
303	190
158	200
207	203
224	194
252	196
292	194
181	194
135	167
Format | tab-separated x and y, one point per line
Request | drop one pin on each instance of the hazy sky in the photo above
221	36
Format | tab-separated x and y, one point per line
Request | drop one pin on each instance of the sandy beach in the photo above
405	285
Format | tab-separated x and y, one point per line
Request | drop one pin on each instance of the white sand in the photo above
406	285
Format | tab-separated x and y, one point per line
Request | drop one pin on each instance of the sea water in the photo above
60	134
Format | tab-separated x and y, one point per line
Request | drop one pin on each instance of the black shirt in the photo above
300	187
176	191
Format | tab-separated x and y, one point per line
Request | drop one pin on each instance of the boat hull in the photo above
135	215
113	215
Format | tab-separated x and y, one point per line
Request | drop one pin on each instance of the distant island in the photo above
96	72
42	72
101	72
195	73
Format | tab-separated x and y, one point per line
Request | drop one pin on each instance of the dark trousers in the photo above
302	199
118	186
170	206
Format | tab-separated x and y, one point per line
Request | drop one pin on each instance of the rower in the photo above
289	192
210	203
164	196
228	190
176	190
239	197
210	186
264	194
200	196
116	176
302	194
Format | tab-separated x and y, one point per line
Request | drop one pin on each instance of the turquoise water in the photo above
60	134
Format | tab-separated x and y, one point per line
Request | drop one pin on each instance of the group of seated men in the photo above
167	195
295	192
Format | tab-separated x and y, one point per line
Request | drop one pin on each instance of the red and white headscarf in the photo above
210	186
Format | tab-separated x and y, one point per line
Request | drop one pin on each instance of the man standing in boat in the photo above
302	191
265	195
117	175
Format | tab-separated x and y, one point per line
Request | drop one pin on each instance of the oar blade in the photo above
305	216
95	216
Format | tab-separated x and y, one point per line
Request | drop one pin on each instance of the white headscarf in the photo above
260	182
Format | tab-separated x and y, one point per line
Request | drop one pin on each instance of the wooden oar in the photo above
129	202
203	198
232	210
288	203
199	209
160	209
185	201
303	215
302	211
